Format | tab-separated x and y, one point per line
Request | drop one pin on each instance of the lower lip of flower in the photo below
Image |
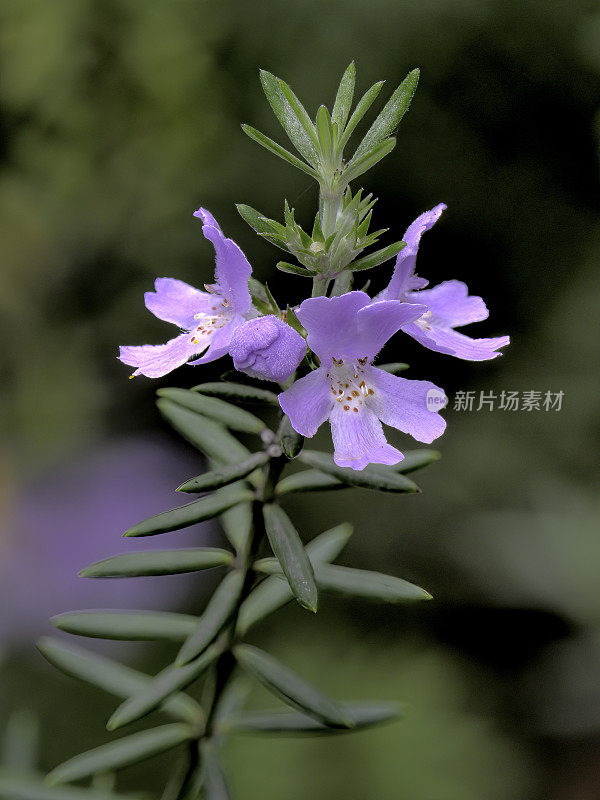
348	383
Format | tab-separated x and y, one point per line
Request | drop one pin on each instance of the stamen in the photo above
348	384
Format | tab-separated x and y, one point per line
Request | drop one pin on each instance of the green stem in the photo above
182	780
330	206
342	283
320	285
225	665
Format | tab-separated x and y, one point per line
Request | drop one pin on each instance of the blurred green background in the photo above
118	119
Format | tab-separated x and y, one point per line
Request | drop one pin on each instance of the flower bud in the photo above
267	348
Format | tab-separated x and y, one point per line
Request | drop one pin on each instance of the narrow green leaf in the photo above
317	234
110	676
290	687
390	116
122	753
218	478
416	459
191	513
203	433
274	307
294	269
263	308
261	224
227	414
282	721
20	743
312	480
186	782
233	698
158	562
215	782
323	549
370	585
126	625
290	440
258	289
159	689
363	228
220	607
324	132
29	787
359	165
292	556
393	368
278	150
377	258
104	781
237	391
309	480
363	105
273	592
237	524
293	321
287	116
343	99
305	121
372	477
328	545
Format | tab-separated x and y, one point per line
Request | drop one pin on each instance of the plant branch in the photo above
225	664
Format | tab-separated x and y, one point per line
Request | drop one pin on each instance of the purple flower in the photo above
449	305
346	333
267	348
208	318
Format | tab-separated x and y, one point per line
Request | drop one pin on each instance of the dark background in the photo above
119	118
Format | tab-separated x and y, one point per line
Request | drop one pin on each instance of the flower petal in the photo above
331	323
456	344
404	405
308	402
232	267
403	279
451	305
220	342
154	361
177	302
358	439
378	322
267	348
